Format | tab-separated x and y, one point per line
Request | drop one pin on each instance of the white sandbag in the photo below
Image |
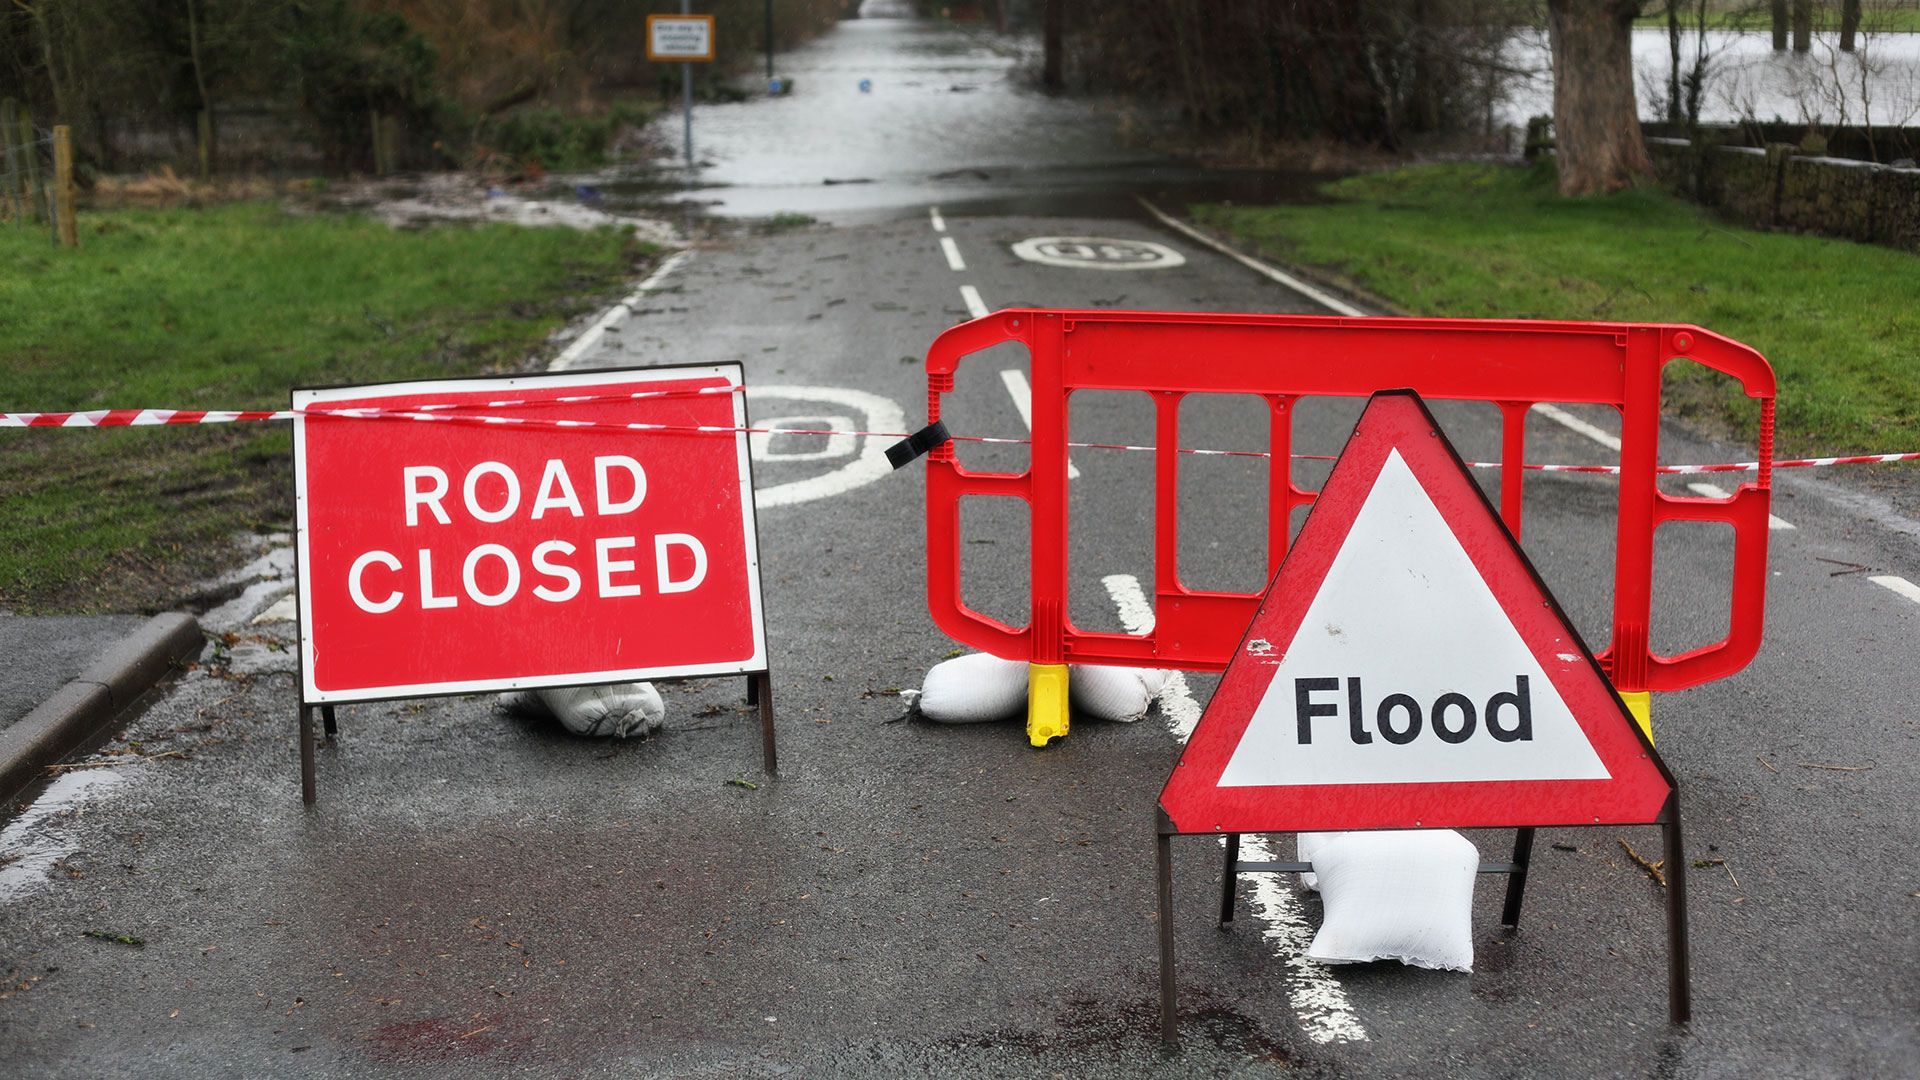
1114	693
620	711
1305	846
1405	896
974	688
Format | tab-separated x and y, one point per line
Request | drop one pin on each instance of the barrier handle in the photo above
1747	510
947	482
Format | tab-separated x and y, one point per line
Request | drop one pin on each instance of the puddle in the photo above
32	843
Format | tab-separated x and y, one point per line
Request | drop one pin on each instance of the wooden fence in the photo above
37	185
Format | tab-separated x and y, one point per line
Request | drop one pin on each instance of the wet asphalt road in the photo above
480	892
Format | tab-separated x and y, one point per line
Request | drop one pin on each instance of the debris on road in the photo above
1702	864
1653	869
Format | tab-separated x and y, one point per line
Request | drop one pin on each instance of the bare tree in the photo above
1052	76
1596	122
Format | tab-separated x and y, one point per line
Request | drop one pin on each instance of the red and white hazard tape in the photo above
457	414
152	417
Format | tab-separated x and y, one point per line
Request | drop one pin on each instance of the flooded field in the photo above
1879	83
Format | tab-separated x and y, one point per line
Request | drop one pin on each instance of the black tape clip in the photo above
904	451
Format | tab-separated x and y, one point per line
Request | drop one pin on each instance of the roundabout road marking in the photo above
813	447
1098	253
880	414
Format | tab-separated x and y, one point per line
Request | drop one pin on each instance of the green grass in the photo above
229	308
1837	319
1746	15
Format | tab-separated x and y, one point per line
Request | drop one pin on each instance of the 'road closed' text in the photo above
552	570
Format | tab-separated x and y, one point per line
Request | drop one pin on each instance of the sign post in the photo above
1408	669
465	535
689	39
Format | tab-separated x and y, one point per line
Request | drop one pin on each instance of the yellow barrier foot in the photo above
1640	704
1046	703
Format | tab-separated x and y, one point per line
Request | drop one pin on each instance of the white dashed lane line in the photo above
970	296
1573	423
1022	393
1898	585
939	223
952	250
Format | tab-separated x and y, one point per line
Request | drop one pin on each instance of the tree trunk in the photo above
1802	25
1673	56
1779	10
1849	23
1051	74
1596	124
39	17
206	128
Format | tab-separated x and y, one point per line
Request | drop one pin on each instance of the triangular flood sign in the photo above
1408	669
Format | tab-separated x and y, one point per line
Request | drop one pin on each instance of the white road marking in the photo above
615	315
1899	585
1338	307
810	447
939	223
1098	253
954	261
1318	999
1022	394
1573	423
970	296
881	415
1715	491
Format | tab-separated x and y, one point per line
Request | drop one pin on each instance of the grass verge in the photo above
229	307
1836	319
1745	15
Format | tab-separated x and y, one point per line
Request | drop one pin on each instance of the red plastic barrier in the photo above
1283	358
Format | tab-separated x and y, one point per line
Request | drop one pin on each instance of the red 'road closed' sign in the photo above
1408	669
543	530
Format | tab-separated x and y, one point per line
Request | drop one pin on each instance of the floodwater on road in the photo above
886	116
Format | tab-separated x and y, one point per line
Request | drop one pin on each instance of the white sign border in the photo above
705	22
733	373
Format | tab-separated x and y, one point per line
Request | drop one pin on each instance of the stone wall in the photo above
1780	188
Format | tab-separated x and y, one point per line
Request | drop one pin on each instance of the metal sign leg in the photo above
307	784
769	759
1679	963
329	725
1229	877
1517	877
1169	1031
